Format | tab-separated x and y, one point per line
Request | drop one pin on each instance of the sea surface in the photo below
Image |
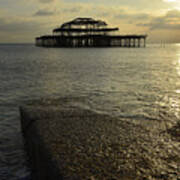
135	84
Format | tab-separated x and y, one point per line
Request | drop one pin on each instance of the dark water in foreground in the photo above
140	85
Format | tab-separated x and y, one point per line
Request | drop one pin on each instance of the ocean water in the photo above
136	84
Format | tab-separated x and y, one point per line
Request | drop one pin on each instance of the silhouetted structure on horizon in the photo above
87	32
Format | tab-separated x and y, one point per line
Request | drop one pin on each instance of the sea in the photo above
134	84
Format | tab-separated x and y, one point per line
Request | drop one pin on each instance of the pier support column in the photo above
134	42
124	42
139	42
130	42
144	42
127	42
120	43
79	43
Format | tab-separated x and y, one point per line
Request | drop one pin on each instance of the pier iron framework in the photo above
87	32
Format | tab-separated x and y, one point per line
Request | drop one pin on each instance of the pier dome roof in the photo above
84	21
91	25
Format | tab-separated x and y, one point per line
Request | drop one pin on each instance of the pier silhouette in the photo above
87	32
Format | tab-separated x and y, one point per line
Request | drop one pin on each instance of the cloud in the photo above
45	12
141	5
131	16
173	13
72	9
46	1
169	0
170	21
17	25
24	29
38	17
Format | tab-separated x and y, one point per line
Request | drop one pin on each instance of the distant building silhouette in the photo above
87	32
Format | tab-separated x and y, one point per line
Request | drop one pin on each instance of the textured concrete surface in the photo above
66	141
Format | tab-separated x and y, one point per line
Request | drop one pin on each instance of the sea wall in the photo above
66	141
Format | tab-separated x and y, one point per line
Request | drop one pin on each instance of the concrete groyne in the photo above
66	141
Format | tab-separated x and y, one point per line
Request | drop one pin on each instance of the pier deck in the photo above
92	41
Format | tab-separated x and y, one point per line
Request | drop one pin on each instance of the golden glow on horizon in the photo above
175	3
171	0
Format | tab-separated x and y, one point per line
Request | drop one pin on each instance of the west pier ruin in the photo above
88	32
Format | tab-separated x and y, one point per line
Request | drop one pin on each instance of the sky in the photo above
23	20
